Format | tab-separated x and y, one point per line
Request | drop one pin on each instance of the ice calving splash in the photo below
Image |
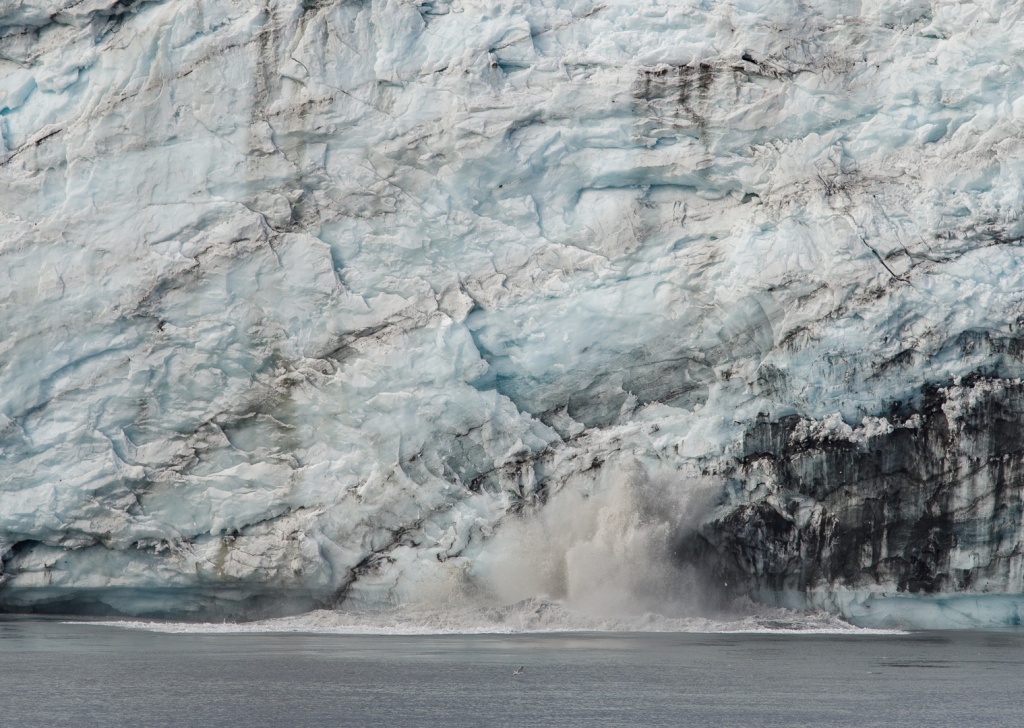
530	616
606	549
595	559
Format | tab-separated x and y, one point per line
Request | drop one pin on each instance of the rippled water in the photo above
87	674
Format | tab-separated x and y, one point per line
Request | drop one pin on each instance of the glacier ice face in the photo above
913	507
299	299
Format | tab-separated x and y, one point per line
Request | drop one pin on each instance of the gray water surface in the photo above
81	674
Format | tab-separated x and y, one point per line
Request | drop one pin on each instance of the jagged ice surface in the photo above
299	300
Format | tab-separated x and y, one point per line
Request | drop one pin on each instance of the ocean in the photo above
82	673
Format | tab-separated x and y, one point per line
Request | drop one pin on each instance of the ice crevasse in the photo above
303	302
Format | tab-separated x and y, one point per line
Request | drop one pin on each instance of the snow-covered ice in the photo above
300	300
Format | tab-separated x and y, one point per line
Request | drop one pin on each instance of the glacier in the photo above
346	304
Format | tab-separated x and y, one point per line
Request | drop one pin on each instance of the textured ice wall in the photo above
298	299
913	519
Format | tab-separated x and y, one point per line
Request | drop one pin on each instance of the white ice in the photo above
303	298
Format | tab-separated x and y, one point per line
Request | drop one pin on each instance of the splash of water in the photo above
604	550
600	556
531	616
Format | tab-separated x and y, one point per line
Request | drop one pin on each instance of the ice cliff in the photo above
301	300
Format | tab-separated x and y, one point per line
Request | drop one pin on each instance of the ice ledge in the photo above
186	603
888	610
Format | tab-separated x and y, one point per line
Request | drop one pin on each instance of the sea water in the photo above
87	674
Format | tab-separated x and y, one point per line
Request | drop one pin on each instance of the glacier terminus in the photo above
628	304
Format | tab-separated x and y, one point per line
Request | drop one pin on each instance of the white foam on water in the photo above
531	616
